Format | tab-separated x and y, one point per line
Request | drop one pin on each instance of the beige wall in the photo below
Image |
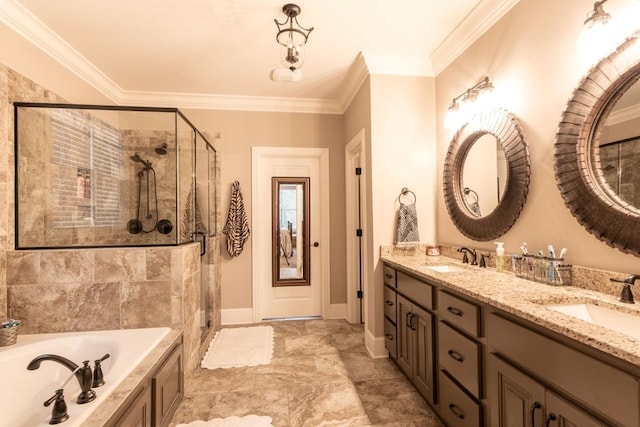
239	132
398	115
530	55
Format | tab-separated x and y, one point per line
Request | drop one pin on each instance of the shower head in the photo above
136	158
162	150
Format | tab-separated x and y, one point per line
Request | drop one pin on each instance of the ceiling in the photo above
219	53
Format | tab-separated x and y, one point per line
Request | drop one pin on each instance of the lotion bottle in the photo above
501	264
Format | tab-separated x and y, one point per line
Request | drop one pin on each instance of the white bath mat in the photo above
246	421
238	347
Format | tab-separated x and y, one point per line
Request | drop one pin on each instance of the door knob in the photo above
316	244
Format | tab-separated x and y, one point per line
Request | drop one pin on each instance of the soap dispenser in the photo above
501	263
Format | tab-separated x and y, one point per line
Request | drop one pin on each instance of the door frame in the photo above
356	147
259	154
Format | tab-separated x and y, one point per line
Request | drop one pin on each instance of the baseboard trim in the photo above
236	316
375	345
337	311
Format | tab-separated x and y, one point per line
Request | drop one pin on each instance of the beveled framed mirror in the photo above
290	231
596	155
486	175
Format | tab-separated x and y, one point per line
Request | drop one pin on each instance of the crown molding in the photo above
398	65
623	115
29	27
356	76
231	102
476	23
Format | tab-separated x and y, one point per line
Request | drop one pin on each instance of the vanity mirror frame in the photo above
577	167
505	128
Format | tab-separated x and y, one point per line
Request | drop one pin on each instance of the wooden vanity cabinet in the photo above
520	401
158	395
409	330
534	380
416	346
460	359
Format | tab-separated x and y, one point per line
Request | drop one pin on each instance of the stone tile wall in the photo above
96	289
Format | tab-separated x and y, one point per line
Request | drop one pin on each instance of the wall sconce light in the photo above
292	39
602	34
469	102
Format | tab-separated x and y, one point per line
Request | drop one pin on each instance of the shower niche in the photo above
111	176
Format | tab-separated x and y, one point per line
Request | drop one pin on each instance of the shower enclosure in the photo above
105	176
108	176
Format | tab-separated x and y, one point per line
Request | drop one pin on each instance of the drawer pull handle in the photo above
455	356
389	303
536	405
388	276
455	311
389	337
552	417
456	411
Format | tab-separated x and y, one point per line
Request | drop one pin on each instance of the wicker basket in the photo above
8	336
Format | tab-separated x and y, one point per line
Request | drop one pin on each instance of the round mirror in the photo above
486	175
597	149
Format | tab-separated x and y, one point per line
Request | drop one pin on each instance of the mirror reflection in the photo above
619	147
290	213
484	175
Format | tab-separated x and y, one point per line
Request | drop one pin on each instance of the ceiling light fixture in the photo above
292	39
462	107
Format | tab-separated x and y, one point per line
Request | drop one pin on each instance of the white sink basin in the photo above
444	268
624	323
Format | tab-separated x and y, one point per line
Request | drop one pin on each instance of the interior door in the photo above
288	301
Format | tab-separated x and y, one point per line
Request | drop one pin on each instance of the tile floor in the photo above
320	375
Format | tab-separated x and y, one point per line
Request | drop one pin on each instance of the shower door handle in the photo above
203	243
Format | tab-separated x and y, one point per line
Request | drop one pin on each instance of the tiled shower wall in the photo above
87	289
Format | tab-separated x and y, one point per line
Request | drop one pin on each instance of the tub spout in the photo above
82	373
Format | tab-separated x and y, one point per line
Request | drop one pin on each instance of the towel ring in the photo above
404	192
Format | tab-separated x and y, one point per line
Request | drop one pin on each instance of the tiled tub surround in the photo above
528	300
99	289
22	403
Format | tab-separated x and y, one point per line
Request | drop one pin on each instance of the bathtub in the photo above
23	392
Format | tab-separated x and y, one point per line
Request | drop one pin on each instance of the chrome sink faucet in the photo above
465	259
83	374
627	296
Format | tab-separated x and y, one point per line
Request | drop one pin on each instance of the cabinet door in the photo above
168	388
404	336
561	413
424	368
139	413
516	399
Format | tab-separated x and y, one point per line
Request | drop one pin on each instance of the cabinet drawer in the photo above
390	342
593	382
458	312
420	292
456	407
389	276
390	303
460	356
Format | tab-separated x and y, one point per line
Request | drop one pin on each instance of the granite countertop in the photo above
527	299
103	413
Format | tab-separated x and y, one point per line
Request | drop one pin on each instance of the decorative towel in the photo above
246	421
237	226
407	226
